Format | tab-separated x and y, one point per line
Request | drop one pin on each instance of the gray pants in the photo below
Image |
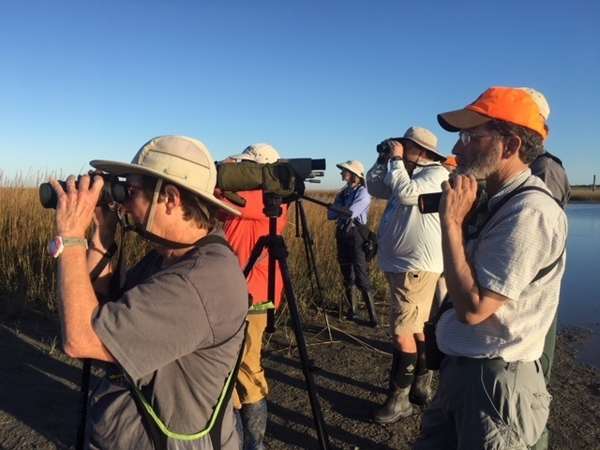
485	404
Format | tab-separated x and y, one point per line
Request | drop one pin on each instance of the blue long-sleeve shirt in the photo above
357	200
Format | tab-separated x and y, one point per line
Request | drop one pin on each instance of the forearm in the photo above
76	304
460	278
472	302
98	253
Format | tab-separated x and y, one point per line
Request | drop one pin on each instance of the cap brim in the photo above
243	156
122	169
461	119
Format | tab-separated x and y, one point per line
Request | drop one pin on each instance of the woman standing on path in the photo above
350	250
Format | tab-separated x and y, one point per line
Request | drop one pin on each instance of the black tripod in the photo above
277	253
302	231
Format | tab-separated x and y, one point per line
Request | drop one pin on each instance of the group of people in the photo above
503	265
180	332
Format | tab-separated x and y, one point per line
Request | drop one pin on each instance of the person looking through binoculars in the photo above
350	243
243	233
171	334
410	255
504	259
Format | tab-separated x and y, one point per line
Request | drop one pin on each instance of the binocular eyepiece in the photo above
112	191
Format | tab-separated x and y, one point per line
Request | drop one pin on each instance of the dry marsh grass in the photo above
29	275
585	194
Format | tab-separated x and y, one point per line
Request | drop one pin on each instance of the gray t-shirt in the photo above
176	334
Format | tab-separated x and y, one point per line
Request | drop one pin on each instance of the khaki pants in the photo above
251	385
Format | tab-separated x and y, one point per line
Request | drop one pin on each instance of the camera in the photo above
112	191
430	203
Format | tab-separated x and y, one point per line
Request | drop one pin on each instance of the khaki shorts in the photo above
412	297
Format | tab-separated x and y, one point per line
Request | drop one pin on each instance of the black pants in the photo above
351	258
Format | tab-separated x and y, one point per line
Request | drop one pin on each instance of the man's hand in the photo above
459	196
75	206
396	149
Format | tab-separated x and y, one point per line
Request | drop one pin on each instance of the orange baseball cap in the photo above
509	104
451	161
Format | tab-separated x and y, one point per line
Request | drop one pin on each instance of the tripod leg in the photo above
304	361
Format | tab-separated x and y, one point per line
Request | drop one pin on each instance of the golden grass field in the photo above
28	275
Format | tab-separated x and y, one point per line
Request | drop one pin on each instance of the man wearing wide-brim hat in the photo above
410	255
503	263
171	334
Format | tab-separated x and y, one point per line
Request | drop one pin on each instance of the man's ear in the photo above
513	145
172	196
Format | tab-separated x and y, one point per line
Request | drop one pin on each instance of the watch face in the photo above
55	246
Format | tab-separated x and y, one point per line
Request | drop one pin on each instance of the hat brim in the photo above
461	119
122	169
344	166
441	157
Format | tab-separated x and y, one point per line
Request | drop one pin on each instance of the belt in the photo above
485	362
498	362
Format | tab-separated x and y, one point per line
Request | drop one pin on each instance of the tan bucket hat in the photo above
353	166
425	139
180	160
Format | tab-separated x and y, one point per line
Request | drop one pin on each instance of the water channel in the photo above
580	292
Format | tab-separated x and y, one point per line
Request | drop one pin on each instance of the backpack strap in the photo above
447	303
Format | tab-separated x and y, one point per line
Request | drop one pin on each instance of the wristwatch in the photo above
58	243
396	158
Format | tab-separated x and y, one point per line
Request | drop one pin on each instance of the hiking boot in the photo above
370	302
254	420
395	407
420	391
352	313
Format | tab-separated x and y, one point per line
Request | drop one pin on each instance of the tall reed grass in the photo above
28	274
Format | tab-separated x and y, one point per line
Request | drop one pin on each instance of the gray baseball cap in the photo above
180	160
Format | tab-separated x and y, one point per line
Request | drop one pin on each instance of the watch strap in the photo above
69	242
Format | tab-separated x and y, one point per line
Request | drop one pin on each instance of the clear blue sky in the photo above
82	80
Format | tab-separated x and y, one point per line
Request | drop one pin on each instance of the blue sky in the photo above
83	80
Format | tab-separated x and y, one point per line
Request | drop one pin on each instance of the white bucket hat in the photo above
353	166
425	139
260	153
180	160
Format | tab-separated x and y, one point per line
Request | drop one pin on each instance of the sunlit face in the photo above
481	155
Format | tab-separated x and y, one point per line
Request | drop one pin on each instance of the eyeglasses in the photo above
130	190
465	136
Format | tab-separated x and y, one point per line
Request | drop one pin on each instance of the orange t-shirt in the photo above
242	233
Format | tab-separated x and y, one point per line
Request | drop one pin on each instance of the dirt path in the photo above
39	389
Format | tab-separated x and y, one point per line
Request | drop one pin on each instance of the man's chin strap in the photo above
154	203
147	235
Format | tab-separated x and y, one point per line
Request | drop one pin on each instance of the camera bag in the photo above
370	244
